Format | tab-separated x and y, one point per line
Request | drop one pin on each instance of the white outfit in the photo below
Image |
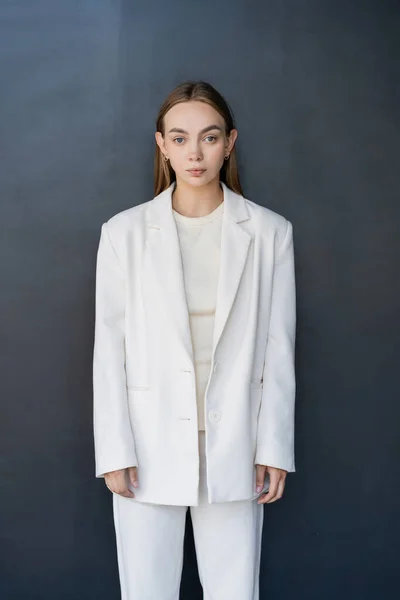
195	324
145	404
200	242
227	540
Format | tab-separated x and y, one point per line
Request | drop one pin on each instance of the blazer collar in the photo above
234	205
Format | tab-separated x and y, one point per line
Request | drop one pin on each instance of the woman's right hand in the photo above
118	481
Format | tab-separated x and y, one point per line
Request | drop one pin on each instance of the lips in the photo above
196	171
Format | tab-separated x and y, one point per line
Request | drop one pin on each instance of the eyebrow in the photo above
209	128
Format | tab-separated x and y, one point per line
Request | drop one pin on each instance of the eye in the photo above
178	138
211	136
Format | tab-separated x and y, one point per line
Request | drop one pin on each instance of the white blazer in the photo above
145	411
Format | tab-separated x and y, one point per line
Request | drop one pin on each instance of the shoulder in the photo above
127	219
128	216
269	221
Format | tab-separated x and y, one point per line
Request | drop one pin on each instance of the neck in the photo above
192	201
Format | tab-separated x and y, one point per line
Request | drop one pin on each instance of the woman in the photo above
194	382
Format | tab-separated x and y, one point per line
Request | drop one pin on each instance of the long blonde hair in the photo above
201	91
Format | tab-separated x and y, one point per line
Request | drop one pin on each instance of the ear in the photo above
160	141
232	139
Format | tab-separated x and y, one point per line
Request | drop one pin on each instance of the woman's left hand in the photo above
277	478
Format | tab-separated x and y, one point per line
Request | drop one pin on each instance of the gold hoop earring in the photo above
227	156
165	158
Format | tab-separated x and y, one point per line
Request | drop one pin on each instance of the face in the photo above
194	138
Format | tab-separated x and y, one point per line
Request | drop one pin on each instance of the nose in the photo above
195	152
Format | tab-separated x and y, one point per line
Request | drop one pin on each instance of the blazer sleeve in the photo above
275	428
113	436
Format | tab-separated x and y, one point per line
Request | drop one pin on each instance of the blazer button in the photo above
214	416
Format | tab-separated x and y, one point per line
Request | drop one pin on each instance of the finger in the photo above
272	491
127	494
120	487
124	491
281	489
108	485
279	492
133	476
260	477
273	497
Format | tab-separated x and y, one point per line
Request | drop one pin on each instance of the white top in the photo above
200	241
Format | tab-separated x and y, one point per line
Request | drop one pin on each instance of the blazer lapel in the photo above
164	253
235	242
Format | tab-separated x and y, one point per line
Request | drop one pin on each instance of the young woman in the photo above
194	382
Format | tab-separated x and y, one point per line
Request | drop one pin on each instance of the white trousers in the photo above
227	538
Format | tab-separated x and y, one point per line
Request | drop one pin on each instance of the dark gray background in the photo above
314	86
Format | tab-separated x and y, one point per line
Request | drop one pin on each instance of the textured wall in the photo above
315	89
